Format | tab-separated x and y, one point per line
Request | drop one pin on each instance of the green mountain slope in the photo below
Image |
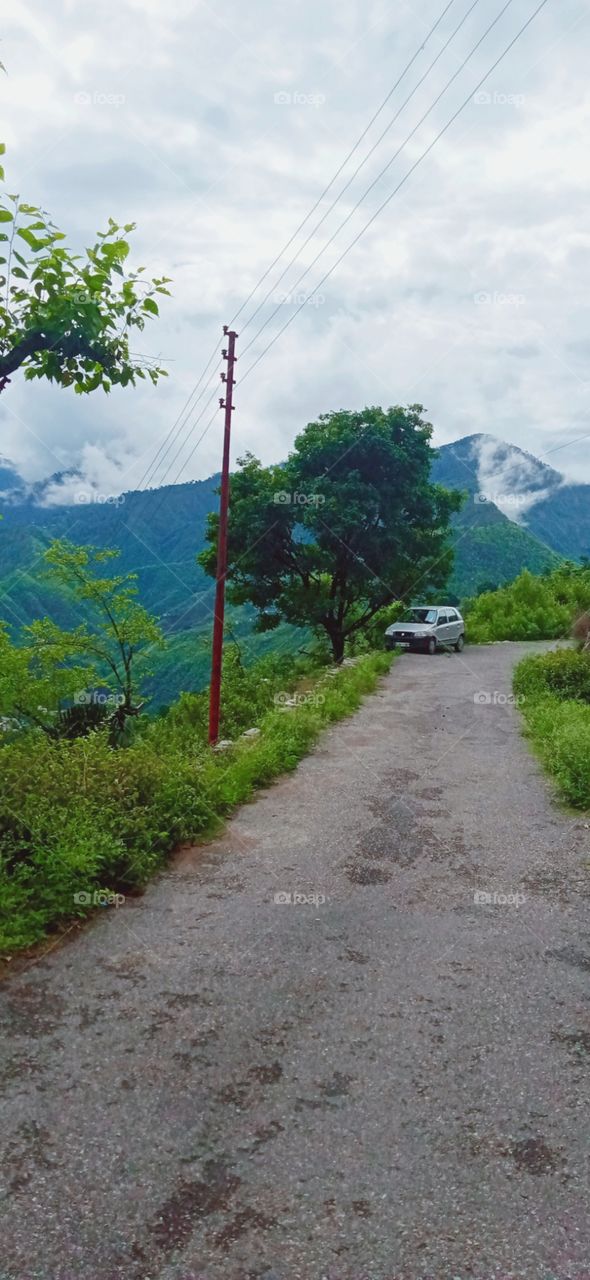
159	533
491	549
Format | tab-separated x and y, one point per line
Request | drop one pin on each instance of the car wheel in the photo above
460	645
431	646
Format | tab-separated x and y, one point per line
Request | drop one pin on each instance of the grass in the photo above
554	689
79	819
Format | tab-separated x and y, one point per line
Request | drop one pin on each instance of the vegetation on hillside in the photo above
491	548
81	823
554	694
531	608
65	681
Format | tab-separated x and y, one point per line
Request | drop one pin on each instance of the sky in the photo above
216	128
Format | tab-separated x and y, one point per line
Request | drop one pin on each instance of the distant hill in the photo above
533	495
518	514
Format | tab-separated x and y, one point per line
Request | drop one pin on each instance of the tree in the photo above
35	683
65	317
114	650
349	524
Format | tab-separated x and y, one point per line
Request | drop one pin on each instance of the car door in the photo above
442	627
454	627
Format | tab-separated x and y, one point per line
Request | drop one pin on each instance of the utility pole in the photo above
217	655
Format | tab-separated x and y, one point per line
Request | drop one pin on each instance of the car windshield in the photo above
419	615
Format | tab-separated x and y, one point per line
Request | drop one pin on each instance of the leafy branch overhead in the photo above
65	316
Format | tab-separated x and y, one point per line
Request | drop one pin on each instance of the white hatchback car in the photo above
427	627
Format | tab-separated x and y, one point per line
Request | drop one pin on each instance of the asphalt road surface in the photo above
311	1050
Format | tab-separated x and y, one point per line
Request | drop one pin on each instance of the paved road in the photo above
389	1080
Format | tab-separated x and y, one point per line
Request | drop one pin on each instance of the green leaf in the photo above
6	216
30	239
18	271
151	306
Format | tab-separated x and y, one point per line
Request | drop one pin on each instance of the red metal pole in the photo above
217	655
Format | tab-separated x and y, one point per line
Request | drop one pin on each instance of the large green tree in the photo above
68	317
349	524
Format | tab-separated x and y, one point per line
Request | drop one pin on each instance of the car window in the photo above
442	618
419	615
452	615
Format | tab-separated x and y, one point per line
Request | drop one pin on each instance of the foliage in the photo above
54	665
77	817
530	608
555	699
561	673
581	631
349	524
560	732
66	317
491	550
34	683
123	634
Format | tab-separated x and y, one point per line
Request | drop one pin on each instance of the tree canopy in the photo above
350	523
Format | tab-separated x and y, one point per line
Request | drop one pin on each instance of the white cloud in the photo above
218	175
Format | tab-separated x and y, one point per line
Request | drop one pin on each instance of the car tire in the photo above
460	644
431	646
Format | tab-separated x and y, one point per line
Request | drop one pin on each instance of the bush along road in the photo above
348	1038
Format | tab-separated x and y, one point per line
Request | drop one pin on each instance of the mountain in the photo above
535	497
518	514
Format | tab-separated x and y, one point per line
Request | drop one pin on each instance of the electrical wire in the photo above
336	175
381	174
362	164
410	171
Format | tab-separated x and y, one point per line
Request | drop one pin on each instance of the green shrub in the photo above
564	673
530	608
561	734
80	816
555	699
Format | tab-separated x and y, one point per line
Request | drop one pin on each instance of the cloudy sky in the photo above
217	126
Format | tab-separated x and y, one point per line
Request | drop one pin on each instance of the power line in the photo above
184	414
180	422
271	317
400	184
159	505
363	162
184	442
344	162
381	174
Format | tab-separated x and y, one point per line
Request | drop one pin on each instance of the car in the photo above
428	628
